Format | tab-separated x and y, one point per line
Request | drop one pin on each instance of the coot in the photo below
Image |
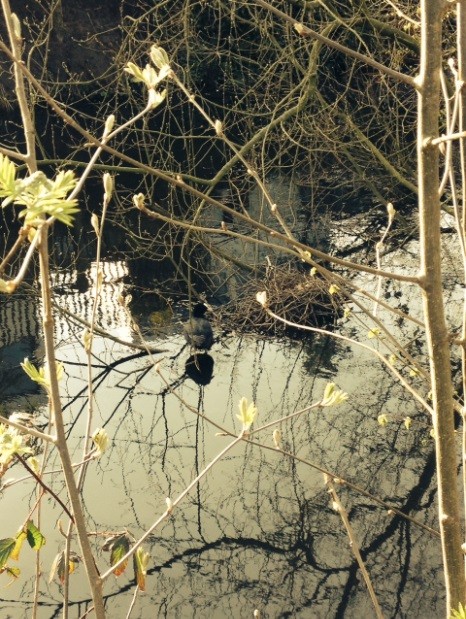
198	330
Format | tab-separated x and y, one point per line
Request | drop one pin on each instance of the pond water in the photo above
259	531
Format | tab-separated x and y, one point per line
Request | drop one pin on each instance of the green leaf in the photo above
14	572
159	57
12	442
149	76
140	561
7	176
63	184
37	375
382	420
62	210
135	71
18	545
458	614
118	548
247	413
25	188
35	538
101	440
41	376
7	546
43	197
333	396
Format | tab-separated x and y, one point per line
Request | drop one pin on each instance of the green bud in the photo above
159	57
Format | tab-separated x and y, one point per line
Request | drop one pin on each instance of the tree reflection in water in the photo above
259	531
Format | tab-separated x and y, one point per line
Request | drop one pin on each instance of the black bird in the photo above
198	330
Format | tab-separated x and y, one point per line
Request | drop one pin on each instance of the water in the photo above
258	532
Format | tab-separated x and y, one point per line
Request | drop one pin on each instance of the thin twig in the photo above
44	486
338	506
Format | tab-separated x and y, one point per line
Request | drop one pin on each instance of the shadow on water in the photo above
258	531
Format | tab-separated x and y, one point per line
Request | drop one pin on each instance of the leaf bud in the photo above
109	123
95	223
138	200
108	185
159	57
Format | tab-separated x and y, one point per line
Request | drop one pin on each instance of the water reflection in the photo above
200	369
258	531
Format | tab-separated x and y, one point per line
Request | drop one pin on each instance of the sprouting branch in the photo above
177	181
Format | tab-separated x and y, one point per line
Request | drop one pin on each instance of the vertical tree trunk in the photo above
428	85
461	46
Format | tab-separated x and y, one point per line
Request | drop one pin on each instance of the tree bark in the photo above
428	86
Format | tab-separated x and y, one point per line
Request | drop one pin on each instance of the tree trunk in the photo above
428	85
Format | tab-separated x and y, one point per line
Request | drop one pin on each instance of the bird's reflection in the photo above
200	368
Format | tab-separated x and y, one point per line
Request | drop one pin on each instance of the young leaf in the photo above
140	561
247	413
7	546
7	176
119	548
14	572
458	614
42	196
74	562
11	443
101	440
155	98
35	538
382	420
159	57
135	71
63	184
41	376
38	376
18	545
58	566
333	396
